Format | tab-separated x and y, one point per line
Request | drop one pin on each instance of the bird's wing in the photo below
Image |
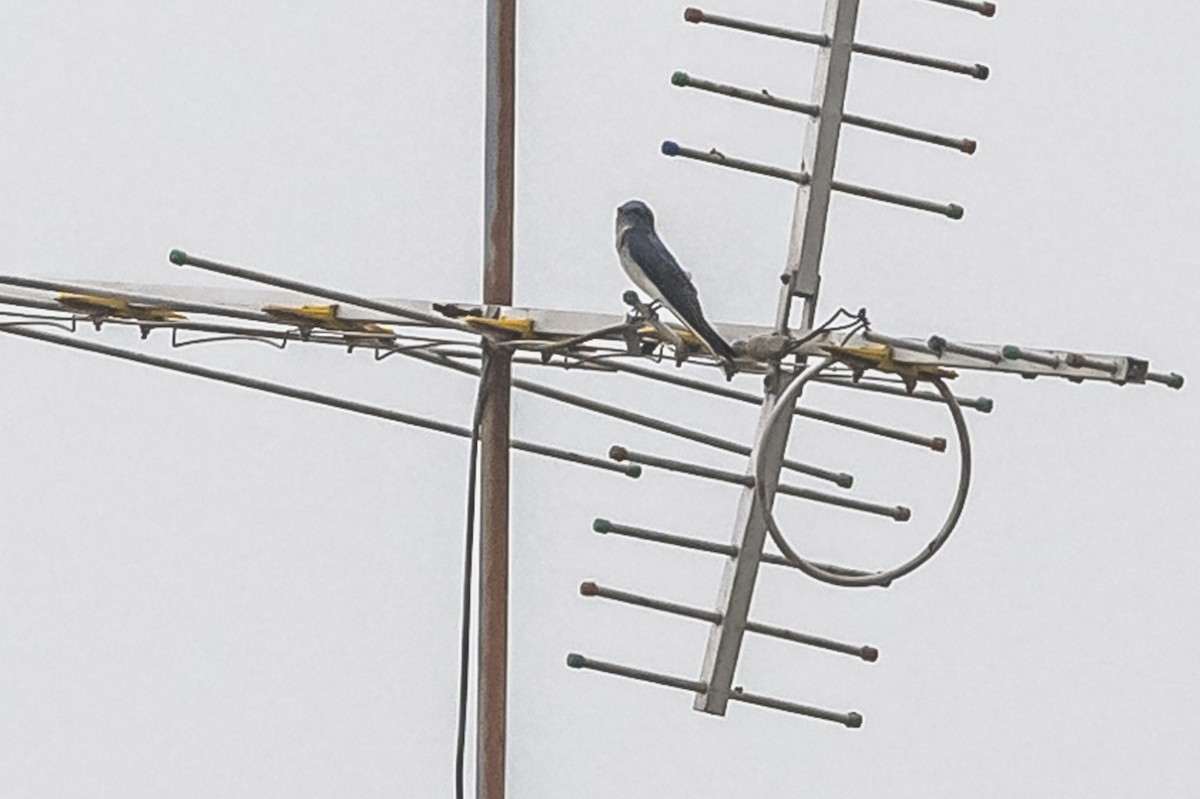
648	251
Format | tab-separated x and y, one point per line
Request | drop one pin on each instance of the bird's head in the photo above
635	212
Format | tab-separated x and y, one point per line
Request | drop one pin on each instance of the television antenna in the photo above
460	336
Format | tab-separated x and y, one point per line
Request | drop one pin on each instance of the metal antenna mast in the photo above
496	391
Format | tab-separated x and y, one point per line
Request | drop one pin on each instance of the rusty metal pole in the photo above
499	161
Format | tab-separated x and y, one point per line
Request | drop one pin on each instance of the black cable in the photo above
856	320
464	663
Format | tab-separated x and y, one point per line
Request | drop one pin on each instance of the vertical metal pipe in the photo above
499	160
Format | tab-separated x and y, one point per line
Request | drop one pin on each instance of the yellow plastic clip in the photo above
882	357
522	327
686	336
323	316
100	307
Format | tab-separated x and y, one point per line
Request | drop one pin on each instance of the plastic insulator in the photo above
954	211
576	661
938	445
618	453
588	588
178	257
602	525
937	344
693	15
854	720
981	72
1011	351
679	78
670	148
869	654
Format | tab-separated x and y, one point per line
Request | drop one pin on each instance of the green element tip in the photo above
634	470
602	525
178	257
853	720
1175	380
954	211
576	661
1011	351
985	404
845	480
679	78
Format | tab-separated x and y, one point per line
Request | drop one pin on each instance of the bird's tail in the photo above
719	346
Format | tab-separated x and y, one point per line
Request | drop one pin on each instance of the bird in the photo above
654	270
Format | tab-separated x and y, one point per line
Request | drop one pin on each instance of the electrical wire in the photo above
857	320
464	663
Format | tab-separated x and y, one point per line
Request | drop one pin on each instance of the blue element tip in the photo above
670	148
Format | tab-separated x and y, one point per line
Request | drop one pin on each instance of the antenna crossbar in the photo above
577	661
591	589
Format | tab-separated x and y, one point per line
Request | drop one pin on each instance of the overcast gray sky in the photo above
208	592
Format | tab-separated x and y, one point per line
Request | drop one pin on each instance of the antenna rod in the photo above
305	395
495	422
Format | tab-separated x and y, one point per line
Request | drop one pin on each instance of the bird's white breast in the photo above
632	269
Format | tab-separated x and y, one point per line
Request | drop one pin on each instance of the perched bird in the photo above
655	271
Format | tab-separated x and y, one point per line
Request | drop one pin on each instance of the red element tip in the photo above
869	654
588	588
903	514
618	453
693	15
970	146
988	10
938	445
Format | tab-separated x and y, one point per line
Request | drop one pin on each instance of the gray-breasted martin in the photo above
655	271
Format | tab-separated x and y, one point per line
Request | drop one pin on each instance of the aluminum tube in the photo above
984	8
763	97
852	720
310	396
590	589
181	258
577	661
672	149
696	16
840	478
